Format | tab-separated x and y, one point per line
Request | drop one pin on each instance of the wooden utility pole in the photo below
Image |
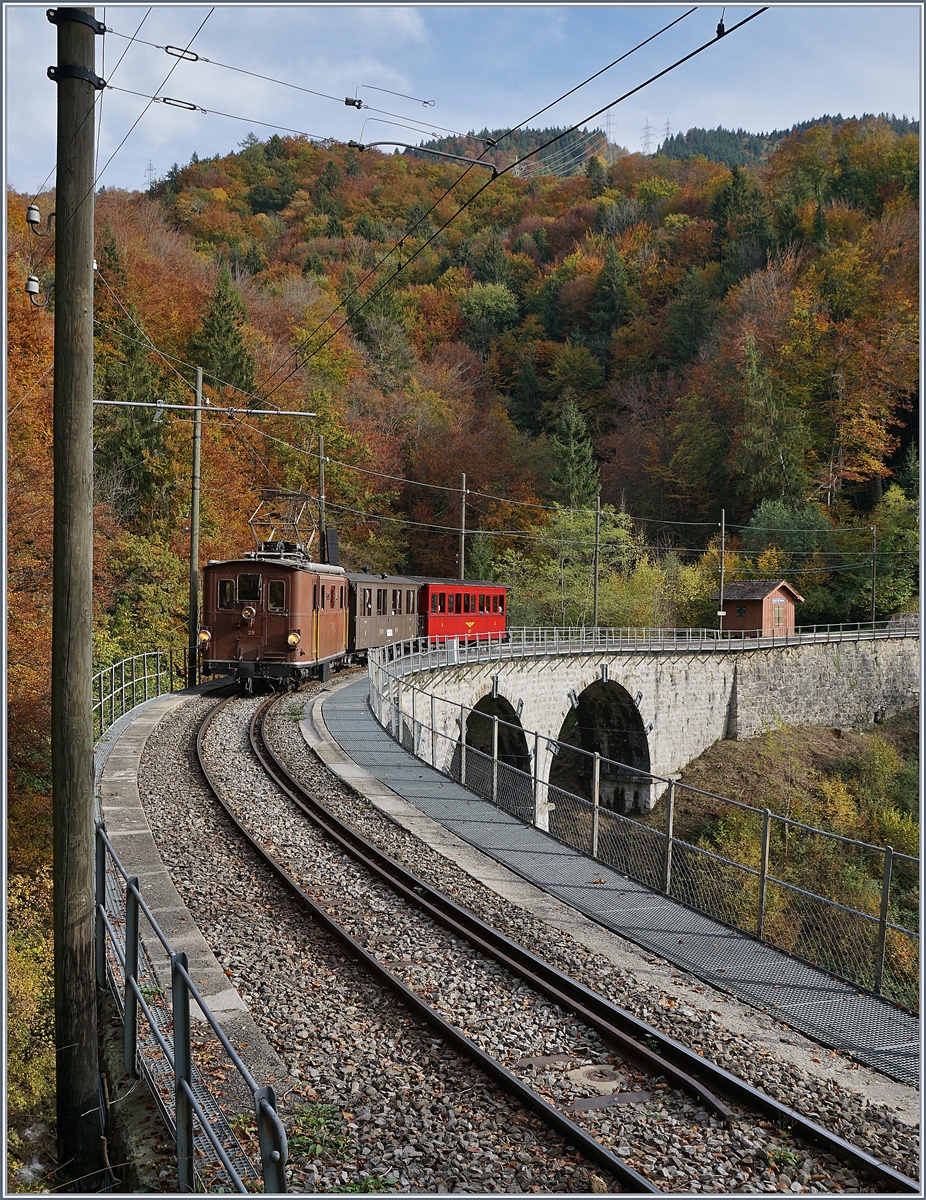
461	556
76	1039
193	640
322	555
597	556
723	562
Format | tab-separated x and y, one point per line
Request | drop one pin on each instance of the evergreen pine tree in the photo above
525	399
609	307
128	442
219	346
575	477
596	175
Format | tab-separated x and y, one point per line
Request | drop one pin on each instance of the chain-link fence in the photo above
840	904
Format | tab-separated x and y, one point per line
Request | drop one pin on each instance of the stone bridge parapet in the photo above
656	706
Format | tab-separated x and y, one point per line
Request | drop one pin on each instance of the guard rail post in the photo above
122	684
183	1072
462	746
170	666
882	923
596	799
130	1043
763	870
100	946
134	688
670	818
536	780
272	1138
495	760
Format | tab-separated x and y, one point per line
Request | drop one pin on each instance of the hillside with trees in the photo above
738	148
680	335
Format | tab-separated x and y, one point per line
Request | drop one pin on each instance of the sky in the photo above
476	65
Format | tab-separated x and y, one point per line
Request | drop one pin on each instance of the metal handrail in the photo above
178	1051
124	685
389	669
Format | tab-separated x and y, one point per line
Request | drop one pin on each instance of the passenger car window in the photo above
276	595
366	602
434	602
501	603
226	593
441	602
396	602
409	601
450	605
248	588
381	594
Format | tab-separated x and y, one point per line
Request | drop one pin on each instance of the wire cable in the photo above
376	291
31	389
458	181
150	345
190	107
87	115
97	177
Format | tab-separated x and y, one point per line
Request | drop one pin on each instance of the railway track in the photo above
625	1061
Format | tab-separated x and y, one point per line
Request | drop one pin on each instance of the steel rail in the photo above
573	1133
688	1069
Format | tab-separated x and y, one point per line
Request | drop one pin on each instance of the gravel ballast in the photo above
417	1114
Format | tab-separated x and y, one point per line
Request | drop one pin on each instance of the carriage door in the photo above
277	617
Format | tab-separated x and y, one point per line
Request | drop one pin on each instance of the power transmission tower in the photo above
150	173
668	130
647	138
76	1037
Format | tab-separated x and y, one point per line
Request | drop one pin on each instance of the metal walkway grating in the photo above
873	1031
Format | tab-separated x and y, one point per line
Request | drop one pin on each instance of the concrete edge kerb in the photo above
128	829
649	971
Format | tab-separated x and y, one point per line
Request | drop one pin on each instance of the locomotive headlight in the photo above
249	613
294	638
204	637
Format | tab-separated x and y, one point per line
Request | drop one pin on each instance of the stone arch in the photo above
605	720
512	744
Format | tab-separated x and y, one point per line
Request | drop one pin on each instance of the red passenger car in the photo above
461	608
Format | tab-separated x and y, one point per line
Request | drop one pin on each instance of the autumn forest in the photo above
675	334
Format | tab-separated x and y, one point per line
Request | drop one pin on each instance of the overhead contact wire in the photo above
460	179
504	171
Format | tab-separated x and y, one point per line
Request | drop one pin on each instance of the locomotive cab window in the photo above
226	593
322	589
276	595
249	589
341	597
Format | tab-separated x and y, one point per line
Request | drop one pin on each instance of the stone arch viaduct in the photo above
653	707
